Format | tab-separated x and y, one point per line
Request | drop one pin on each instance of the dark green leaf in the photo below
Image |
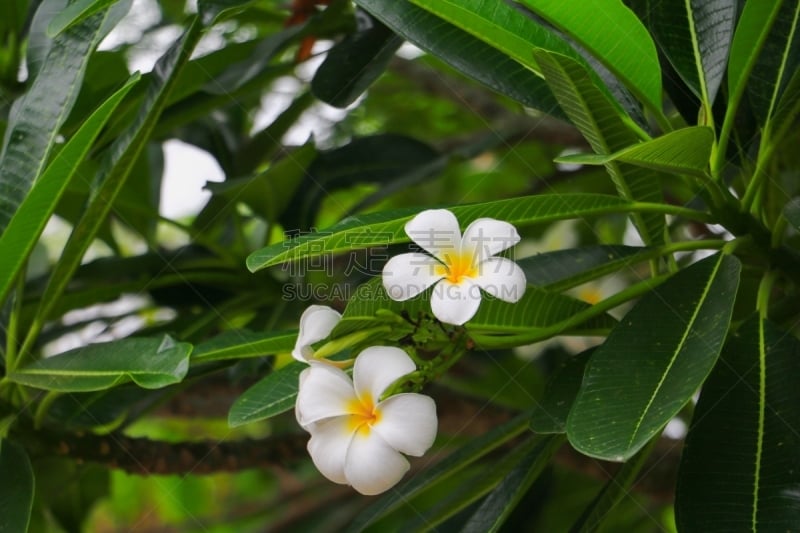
352	65
151	363
16	490
272	395
241	344
654	360
24	228
70	489
607	130
738	469
74	13
550	415
550	268
465	53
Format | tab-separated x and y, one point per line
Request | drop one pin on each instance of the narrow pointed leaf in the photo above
16	490
739	470
467	54
36	117
274	394
684	151
696	36
24	228
75	13
615	36
562	269
242	344
606	130
654	360
151	363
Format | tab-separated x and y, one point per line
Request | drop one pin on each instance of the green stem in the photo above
778	229
488	341
337	345
43	407
13	324
764	293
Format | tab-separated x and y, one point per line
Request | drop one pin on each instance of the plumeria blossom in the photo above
356	438
459	265
316	323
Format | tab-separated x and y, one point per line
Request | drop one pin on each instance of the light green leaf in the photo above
75	13
242	344
654	360
24	228
607	131
615	36
684	151
16	490
382	229
151	363
36	117
271	395
739	470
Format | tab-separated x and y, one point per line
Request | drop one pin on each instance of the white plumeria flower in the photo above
316	323
460	266
356	439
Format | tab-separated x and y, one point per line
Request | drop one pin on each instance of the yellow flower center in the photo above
363	414
457	266
590	294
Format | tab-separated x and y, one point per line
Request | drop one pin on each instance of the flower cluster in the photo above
361	430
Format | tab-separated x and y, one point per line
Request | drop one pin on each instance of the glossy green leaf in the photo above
151	363
469	55
24	228
352	65
36	117
272	395
492	513
537	309
606	130
471	451
738	469
610	31
16	490
550	415
382	229
242	344
654	360
74	13
695	35
573	265
125	153
684	151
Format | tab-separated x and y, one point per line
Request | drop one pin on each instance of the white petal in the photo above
377	367
455	303
435	230
372	466
316	323
407	275
408	423
328	447
488	237
502	278
325	392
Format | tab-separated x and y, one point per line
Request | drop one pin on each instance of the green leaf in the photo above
785	116
465	53
498	505
271	395
24	228
550	269
695	35
75	13
654	360
738	469
550	415
611	32
151	363
352	65
384	228
606	130
537	309
242	344
465	455
684	151
16	490
792	212
35	118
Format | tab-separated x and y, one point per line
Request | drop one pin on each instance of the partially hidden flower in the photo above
356	438
459	266
316	323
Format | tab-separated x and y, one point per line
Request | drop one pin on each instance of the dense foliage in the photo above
646	152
